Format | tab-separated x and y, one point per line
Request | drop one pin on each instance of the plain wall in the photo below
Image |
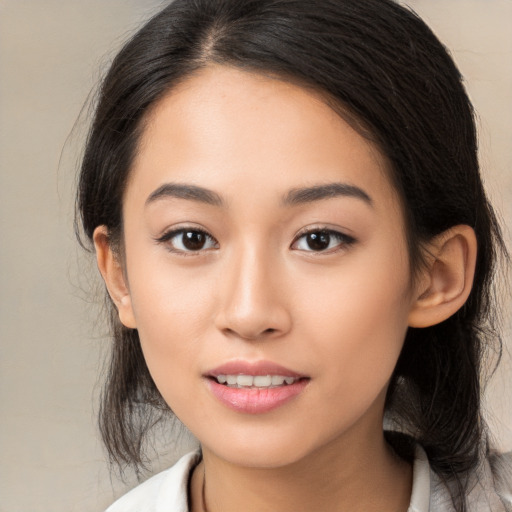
51	345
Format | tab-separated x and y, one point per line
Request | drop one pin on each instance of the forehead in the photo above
224	126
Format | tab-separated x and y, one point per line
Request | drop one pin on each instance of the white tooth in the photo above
289	380
221	379
231	379
277	380
262	381
244	380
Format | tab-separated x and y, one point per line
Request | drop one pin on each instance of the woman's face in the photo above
263	239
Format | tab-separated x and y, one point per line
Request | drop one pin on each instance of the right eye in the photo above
188	240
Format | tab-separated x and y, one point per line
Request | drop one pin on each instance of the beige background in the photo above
51	347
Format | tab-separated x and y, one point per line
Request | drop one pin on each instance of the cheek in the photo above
173	311
359	316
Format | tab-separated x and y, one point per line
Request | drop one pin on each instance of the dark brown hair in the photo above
384	68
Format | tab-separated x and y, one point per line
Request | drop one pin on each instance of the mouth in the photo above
255	387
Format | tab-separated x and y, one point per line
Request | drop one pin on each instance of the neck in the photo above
341	476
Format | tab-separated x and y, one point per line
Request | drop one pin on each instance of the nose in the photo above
253	302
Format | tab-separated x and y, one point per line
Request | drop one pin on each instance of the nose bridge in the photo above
254	287
252	303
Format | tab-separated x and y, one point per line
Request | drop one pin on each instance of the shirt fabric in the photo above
489	490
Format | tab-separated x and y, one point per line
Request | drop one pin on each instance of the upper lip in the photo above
239	367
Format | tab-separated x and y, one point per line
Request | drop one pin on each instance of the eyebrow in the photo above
294	197
298	196
185	191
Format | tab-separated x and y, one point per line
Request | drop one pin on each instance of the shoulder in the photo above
489	487
501	469
163	492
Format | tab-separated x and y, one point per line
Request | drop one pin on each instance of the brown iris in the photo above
193	240
318	241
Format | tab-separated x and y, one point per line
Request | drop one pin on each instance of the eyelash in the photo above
343	241
167	237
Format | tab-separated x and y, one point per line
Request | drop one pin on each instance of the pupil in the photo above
318	241
193	240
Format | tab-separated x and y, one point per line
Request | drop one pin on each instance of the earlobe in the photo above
447	280
113	275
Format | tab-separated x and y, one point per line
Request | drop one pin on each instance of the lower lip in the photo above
254	400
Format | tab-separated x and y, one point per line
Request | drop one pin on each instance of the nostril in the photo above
251	335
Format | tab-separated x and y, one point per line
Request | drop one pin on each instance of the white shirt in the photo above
167	491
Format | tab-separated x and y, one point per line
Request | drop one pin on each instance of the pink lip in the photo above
251	400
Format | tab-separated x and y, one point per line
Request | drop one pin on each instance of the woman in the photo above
286	208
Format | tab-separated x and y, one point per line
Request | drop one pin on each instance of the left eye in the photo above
189	240
321	241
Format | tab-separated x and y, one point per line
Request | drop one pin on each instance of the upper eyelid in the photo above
324	229
169	233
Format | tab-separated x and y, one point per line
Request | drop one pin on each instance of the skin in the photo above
256	291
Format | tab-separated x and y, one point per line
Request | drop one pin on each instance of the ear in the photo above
114	277
444	285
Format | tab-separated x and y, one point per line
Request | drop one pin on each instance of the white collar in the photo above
420	497
168	490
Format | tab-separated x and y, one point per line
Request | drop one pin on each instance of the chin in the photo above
260	450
